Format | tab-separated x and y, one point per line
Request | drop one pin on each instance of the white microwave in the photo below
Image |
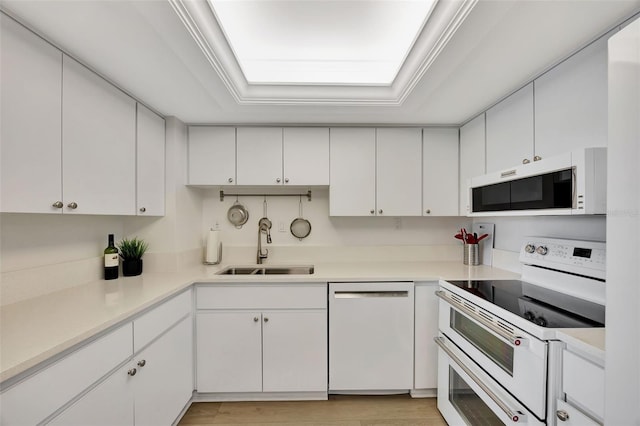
568	184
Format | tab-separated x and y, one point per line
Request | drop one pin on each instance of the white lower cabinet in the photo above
426	329
109	403
582	398
164	381
106	382
264	343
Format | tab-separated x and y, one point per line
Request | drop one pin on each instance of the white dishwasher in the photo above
370	337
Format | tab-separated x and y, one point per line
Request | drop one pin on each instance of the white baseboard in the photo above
259	396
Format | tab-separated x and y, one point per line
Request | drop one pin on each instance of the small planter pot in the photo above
131	268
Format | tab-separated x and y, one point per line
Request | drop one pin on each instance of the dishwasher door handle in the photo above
368	294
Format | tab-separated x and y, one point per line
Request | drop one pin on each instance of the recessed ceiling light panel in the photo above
321	42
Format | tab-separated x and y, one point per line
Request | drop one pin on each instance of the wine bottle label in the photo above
110	259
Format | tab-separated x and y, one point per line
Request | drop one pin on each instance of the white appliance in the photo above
371	337
571	183
498	360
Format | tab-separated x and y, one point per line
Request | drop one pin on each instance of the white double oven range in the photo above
499	358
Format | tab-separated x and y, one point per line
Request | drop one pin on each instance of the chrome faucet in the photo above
264	226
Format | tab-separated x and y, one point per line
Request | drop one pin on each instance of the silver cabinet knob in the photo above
73	205
286	180
537	158
58	205
266	319
380	211
562	415
142	363
230	180
143	209
526	161
278	180
256	319
428	211
372	211
132	372
530	248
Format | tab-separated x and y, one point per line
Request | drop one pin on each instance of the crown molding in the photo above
201	23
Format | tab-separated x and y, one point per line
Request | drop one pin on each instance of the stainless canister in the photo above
470	254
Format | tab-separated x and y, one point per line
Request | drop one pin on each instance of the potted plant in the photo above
131	251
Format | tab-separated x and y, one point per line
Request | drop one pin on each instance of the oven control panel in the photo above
562	254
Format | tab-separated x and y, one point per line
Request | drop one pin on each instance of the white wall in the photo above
622	388
325	230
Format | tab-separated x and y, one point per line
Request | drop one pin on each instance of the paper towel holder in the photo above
219	256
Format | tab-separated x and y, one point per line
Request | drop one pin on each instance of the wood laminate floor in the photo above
339	410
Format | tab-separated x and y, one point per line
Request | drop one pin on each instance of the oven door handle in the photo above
515	340
514	414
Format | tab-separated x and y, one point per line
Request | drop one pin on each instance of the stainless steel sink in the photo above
267	270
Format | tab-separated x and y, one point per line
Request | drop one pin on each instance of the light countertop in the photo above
589	341
37	329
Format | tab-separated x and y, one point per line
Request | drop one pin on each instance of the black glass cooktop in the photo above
544	307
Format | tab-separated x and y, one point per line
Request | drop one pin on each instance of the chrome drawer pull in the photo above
511	338
514	414
366	294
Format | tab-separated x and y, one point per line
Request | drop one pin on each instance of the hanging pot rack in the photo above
223	194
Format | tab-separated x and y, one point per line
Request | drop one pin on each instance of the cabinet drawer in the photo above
155	322
263	296
583	382
37	397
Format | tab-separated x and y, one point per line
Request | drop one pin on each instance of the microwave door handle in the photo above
514	414
574	190
517	341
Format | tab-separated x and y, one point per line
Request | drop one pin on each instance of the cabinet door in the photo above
510	131
440	172
98	144
294	351
150	145
472	158
399	172
260	156
164	382
426	326
352	190
571	103
31	102
306	156
110	403
228	354
212	155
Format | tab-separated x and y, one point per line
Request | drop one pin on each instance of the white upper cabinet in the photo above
150	145
510	131
440	172
352	172
472	158
31	102
571	103
98	144
306	156
212	155
259	155
399	172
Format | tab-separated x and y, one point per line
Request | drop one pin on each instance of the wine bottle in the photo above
111	260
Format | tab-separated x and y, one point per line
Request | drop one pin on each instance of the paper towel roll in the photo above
213	253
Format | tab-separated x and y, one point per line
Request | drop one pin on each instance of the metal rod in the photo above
307	194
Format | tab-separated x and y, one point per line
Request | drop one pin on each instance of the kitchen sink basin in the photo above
267	270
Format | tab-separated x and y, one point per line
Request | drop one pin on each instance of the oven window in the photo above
468	404
500	352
